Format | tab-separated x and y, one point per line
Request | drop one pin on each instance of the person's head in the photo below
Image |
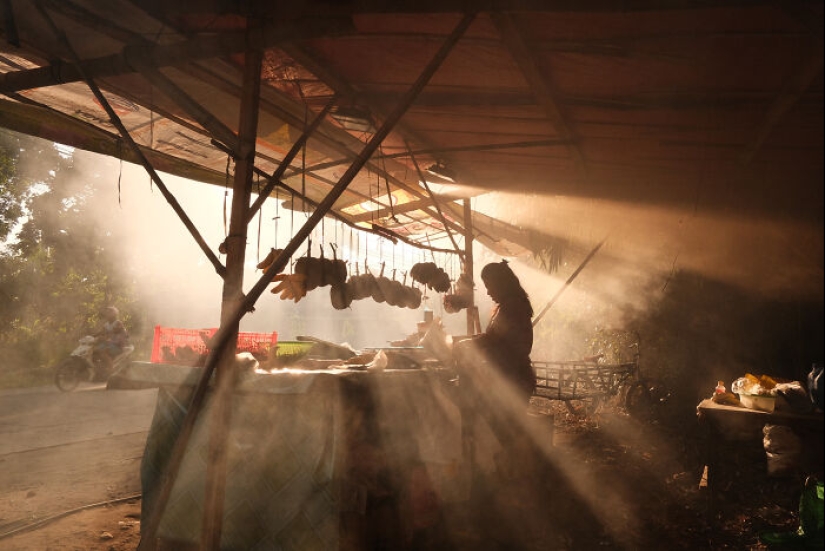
109	313
501	282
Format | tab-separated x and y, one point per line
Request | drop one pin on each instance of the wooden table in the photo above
741	424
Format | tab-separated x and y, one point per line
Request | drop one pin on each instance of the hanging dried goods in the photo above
461	298
320	272
269	259
340	297
432	276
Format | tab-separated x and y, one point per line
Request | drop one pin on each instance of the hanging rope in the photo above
350	244
432	253
152	118
387	184
374	214
304	162
292	226
323	230
226	198
277	214
260	218
119	176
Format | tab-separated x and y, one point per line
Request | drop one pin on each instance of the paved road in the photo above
44	417
59	451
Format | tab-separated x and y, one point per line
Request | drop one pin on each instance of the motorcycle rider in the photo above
112	337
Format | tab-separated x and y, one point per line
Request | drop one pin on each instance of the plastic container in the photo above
761	403
167	341
294	348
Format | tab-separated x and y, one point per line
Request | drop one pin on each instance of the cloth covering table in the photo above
310	455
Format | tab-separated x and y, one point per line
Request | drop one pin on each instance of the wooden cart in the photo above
591	384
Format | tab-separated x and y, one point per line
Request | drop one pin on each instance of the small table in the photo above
723	423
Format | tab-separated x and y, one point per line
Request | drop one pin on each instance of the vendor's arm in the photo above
511	330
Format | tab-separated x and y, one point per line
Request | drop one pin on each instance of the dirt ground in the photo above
106	528
643	492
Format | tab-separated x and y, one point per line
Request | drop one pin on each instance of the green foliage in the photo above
57	266
617	345
17	186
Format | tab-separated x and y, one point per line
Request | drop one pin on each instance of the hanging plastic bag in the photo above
815	385
379	362
783	449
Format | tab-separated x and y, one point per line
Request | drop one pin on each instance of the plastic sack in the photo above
744	385
379	362
753	385
815	385
794	396
783	449
437	342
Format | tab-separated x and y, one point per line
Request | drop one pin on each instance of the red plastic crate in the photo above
184	346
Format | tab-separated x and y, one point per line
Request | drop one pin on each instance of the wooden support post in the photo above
472	312
232	299
468	412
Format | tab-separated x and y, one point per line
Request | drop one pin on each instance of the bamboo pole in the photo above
570	279
472	313
212	525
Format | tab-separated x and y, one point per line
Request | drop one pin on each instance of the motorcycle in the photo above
85	364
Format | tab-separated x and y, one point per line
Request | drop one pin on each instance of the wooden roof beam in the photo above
540	85
199	48
267	8
439	151
330	138
400	209
124	133
788	96
344	88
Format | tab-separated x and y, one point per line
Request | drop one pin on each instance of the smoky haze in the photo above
711	295
774	257
687	279
175	278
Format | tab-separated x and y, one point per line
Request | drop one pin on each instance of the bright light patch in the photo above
65	151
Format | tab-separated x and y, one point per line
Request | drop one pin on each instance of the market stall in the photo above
190	90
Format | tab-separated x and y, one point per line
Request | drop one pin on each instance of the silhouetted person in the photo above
112	337
496	377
